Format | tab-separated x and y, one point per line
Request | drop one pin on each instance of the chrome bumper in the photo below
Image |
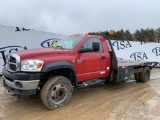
21	84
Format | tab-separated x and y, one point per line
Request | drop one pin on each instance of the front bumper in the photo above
21	83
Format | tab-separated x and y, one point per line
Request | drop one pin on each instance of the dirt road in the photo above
118	101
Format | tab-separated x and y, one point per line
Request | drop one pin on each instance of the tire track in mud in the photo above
106	107
113	101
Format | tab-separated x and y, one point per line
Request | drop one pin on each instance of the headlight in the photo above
31	65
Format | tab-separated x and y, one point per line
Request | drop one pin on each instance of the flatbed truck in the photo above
74	60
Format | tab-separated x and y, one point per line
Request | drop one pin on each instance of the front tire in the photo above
56	92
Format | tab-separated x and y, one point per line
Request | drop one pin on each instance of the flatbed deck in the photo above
122	63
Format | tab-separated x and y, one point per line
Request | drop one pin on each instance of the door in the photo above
91	65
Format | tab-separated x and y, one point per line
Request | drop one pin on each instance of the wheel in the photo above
144	76
136	76
56	92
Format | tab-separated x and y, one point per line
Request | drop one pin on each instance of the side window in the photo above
88	43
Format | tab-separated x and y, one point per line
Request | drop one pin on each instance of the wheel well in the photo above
140	69
66	72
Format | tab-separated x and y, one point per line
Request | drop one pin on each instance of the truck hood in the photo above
33	53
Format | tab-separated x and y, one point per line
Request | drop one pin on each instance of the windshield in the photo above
69	42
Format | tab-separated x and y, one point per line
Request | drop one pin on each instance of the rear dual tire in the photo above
143	76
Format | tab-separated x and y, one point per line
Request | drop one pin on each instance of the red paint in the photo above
91	67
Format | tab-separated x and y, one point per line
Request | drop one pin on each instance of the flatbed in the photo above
122	63
123	69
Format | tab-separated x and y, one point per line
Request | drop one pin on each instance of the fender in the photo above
58	65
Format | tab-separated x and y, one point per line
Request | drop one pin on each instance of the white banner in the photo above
139	51
15	38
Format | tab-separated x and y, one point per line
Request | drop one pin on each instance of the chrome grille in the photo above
13	62
12	59
12	67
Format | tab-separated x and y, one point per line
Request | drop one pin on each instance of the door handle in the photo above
79	61
103	57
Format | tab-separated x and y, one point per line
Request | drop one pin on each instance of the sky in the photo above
80	16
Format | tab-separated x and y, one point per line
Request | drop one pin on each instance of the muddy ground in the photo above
118	101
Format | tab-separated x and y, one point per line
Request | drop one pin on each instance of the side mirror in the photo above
96	46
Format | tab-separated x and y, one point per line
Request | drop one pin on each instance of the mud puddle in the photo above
114	101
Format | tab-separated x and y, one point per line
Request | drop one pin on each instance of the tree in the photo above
128	35
140	35
157	35
137	35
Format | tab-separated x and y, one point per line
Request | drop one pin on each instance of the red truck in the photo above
56	71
